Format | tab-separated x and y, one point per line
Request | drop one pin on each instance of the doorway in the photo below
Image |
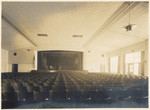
15	68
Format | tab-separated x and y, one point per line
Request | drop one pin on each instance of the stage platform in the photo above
54	71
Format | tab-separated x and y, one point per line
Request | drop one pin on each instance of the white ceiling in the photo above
116	37
61	20
11	39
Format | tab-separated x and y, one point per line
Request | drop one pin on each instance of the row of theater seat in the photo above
21	88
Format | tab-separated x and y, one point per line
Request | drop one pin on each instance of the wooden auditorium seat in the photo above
72	87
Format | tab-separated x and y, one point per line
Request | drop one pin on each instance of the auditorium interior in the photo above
74	54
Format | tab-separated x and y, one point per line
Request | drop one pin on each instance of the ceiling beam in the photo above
118	14
17	29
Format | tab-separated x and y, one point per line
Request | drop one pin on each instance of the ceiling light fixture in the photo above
77	36
28	50
129	27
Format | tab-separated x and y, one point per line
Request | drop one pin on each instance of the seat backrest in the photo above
9	96
7	88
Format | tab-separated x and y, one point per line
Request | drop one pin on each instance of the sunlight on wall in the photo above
94	60
114	64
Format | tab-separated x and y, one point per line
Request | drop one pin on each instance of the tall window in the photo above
114	64
132	63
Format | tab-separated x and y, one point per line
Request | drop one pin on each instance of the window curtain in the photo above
119	63
124	65
142	63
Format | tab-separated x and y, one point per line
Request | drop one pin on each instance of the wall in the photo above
142	46
4	60
93	61
35	61
24	59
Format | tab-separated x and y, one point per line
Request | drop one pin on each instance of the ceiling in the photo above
61	20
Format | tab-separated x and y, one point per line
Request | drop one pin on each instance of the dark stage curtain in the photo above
60	60
44	61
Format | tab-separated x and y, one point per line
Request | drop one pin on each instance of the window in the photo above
132	63
114	64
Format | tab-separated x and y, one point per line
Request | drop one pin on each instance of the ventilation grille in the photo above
42	35
77	36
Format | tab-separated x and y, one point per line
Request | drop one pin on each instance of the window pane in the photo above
129	58
131	68
137	57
